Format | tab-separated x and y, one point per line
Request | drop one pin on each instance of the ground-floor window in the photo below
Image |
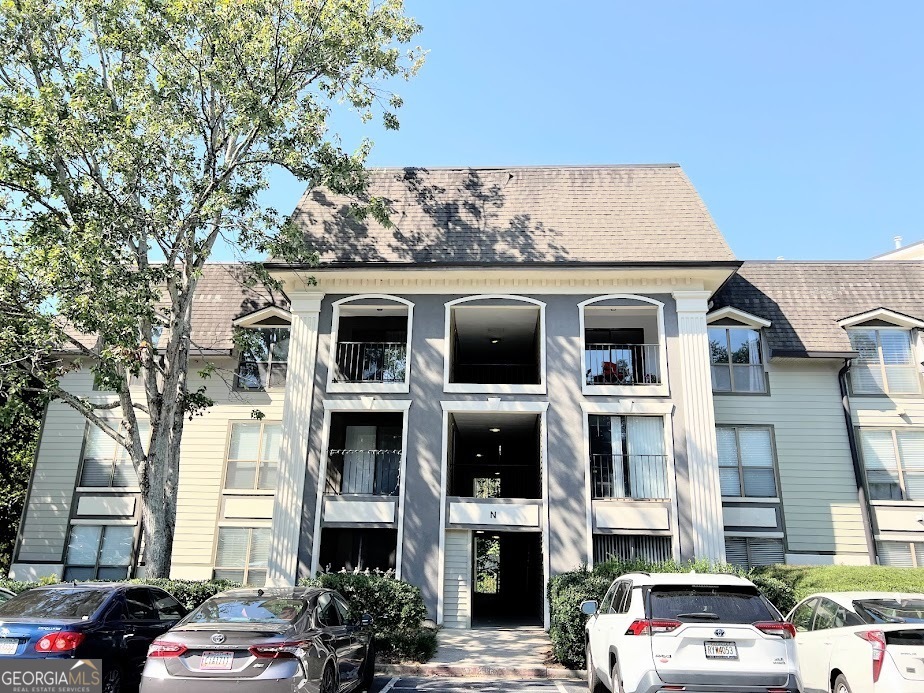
99	552
901	554
358	549
631	547
242	555
748	552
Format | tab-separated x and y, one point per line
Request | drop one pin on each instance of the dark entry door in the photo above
507	579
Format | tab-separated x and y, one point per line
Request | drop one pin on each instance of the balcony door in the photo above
628	457
359	460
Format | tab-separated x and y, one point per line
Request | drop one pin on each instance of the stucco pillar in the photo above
705	495
293	449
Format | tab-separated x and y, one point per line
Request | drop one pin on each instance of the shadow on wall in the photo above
460	224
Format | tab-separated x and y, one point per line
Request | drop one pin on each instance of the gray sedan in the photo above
273	640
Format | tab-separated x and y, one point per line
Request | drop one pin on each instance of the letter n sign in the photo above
493	514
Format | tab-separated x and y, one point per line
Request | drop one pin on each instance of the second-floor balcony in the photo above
371	362
622	364
365	472
629	477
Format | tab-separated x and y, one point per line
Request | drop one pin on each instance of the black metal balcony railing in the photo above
373	472
496	373
622	364
637	477
371	362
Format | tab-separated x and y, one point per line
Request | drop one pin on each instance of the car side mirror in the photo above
365	620
589	607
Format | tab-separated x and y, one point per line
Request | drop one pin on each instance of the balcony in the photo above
629	477
371	362
622	364
367	472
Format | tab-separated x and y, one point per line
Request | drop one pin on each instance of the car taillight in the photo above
63	641
787	631
279	650
651	626
876	638
162	649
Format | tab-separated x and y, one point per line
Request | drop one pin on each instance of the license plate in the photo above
8	646
721	650
217	661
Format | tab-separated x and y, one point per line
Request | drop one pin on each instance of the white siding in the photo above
457	581
820	505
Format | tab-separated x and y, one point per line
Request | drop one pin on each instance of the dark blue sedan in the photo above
112	622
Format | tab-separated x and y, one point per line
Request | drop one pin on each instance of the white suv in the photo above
688	632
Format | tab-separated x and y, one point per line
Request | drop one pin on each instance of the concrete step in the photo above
480	671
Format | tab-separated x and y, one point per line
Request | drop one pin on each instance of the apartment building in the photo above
532	369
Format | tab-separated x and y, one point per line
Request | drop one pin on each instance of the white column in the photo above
699	417
293	451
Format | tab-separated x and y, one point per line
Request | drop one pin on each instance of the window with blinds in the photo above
631	547
99	552
242	555
253	456
894	463
901	554
886	363
106	464
746	468
749	552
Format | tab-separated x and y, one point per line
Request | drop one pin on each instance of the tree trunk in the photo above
158	501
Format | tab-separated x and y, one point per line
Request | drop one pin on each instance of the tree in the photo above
133	131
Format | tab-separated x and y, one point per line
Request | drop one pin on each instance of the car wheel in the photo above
328	680
615	679
368	673
112	681
594	685
841	685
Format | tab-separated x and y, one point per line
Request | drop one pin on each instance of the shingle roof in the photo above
222	296
805	300
610	214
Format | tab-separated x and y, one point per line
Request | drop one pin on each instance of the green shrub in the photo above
806	580
397	609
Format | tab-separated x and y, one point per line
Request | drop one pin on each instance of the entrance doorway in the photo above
506	579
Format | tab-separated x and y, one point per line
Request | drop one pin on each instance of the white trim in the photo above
749	499
660	390
492	404
628	408
246	522
104	521
664	411
368	403
251	319
476	388
127	490
900	536
883	314
353	405
756	535
334	337
741	316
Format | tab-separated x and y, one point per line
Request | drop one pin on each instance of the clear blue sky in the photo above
800	123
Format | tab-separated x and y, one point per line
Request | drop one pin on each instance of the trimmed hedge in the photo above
806	580
397	609
568	590
190	593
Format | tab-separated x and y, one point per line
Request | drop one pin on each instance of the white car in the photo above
692	632
861	642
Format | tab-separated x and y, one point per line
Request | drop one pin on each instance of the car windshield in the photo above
710	604
890	610
57	603
247	610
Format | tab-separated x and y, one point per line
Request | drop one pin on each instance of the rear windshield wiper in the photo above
707	615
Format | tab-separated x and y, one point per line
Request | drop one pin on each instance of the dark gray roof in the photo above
222	296
607	214
805	300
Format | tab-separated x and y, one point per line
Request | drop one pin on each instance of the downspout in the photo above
857	467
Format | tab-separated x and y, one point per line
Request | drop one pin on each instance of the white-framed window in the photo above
105	463
627	457
750	552
746	468
894	463
630	547
99	552
900	553
737	359
886	363
242	555
253	455
264	361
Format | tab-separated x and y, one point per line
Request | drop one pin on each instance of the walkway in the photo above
490	652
